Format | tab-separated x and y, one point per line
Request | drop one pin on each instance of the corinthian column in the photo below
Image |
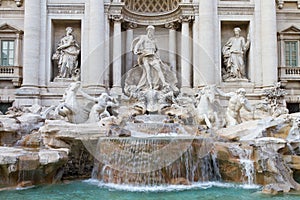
129	38
269	42
117	54
186	71
94	68
204	72
29	93
32	29
172	43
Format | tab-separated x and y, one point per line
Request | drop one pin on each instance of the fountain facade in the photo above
155	126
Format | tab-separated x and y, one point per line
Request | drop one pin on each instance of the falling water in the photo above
155	161
291	148
248	166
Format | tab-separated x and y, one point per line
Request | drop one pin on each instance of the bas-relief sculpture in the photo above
234	57
66	56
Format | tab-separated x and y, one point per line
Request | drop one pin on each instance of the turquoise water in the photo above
92	190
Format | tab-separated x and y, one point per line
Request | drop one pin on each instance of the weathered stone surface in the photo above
19	166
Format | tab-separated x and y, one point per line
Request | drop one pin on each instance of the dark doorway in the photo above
293	107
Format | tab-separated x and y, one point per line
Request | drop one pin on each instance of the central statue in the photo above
150	72
151	82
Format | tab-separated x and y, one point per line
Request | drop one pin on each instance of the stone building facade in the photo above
190	35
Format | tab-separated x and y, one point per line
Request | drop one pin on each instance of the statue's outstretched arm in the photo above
89	97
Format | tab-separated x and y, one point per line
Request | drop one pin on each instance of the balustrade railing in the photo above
289	73
13	73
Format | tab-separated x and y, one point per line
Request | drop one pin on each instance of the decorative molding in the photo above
172	25
153	6
19	3
6	28
236	10
65	8
129	25
116	18
280	3
115	11
182	11
186	18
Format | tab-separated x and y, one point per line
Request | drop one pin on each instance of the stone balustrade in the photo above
13	73
289	73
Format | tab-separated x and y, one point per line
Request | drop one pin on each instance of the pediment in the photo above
291	29
6	28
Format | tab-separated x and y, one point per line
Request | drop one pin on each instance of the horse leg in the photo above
207	121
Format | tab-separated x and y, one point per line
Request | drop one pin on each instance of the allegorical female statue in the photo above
67	55
234	54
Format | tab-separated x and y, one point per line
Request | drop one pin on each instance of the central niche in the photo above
151	6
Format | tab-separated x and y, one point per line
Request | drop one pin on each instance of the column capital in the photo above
116	18
186	18
129	25
172	25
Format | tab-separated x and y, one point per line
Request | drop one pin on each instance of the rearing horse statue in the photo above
206	107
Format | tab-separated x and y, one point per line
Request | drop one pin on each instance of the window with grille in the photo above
291	53
7	52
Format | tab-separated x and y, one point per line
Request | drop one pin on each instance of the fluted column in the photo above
172	43
117	53
204	72
185	53
32	27
269	42
93	72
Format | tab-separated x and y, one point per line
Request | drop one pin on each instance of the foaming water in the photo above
168	188
95	190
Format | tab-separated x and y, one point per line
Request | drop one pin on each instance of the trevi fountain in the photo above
153	138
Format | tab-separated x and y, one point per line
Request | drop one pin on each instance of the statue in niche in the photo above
150	72
234	54
66	56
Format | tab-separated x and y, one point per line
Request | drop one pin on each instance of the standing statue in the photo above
150	72
233	54
67	56
236	102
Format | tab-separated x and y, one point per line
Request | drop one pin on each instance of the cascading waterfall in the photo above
151	161
291	148
248	166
